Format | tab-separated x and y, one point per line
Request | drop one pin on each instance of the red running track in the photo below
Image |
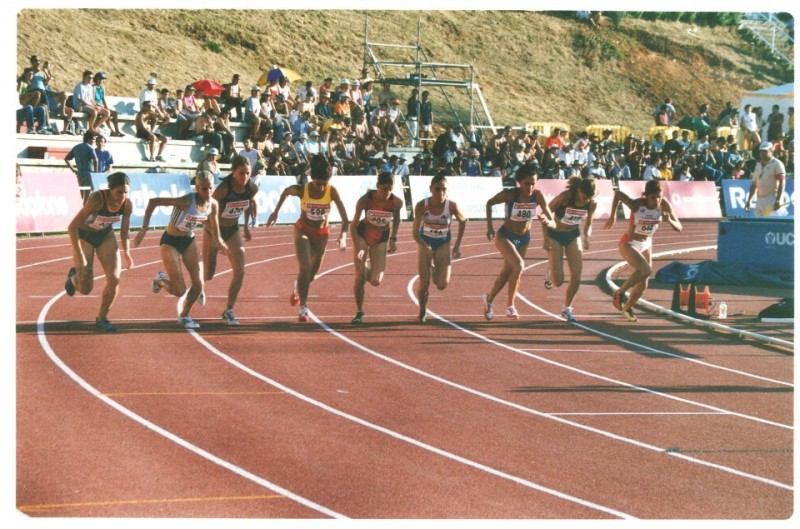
456	419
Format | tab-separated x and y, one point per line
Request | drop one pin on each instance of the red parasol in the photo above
206	87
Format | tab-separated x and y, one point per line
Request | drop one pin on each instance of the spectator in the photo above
685	175
749	127
190	109
31	112
323	108
252	112
306	90
167	104
149	93
668	110
554	140
356	101
596	171
774	124
301	125
222	127
25	92
326	88
146	120
704	115
658	144
232	97
105	162
210	163
727	118
386	95
473	167
85	161
391	130
100	100
83	100
342	105
425	115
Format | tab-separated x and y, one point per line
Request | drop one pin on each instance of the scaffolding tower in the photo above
421	72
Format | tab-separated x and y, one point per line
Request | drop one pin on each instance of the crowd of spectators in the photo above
354	123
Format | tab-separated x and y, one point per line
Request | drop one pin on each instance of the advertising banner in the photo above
47	202
734	193
605	194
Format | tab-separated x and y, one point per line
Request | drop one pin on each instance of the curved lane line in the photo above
161	431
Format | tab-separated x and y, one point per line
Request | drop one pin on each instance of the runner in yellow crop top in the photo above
311	230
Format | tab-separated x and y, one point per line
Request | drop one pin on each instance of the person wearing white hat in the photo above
149	93
768	184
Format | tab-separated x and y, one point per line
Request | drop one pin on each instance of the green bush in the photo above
213	46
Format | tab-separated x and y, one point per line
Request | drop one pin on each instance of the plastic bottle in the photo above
723	310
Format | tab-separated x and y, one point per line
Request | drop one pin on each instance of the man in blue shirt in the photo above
85	162
105	161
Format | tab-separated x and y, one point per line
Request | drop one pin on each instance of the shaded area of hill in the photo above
531	66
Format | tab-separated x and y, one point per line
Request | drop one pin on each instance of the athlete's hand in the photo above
138	239
456	252
127	261
610	223
490	233
247	235
272	218
392	246
342	241
223	249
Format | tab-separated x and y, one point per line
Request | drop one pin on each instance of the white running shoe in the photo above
567	313
188	323
303	315
201	299
511	312
547	283
230	317
488	308
159	277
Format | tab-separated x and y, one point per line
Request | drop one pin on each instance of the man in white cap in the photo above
252	112
149	93
768	183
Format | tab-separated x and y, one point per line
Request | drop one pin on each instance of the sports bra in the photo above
645	221
104	217
189	219
436	226
316	209
521	211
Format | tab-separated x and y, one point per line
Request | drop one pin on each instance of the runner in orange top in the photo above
381	221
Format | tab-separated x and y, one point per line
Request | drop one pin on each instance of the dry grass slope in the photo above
531	66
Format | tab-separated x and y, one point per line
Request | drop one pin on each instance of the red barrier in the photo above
47	202
690	200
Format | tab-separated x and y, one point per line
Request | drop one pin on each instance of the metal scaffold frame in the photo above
425	73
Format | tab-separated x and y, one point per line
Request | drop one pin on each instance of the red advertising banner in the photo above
690	200
47	202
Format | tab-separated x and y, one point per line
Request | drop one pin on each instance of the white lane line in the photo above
400	437
161	431
626	413
549	416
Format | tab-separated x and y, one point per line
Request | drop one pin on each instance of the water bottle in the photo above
723	310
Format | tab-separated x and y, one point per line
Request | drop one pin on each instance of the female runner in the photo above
311	230
432	217
571	208
514	235
234	195
91	232
370	235
636	244
177	242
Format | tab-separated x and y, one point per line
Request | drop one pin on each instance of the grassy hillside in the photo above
531	66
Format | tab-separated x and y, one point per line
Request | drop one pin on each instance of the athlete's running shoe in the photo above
547	283
359	318
68	286
229	317
567	313
620	298
629	315
160	276
488	308
102	324
303	314
188	323
511	312
294	299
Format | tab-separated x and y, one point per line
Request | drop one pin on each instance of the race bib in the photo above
573	216
522	212
379	218
190	222
646	226
101	222
317	211
234	209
